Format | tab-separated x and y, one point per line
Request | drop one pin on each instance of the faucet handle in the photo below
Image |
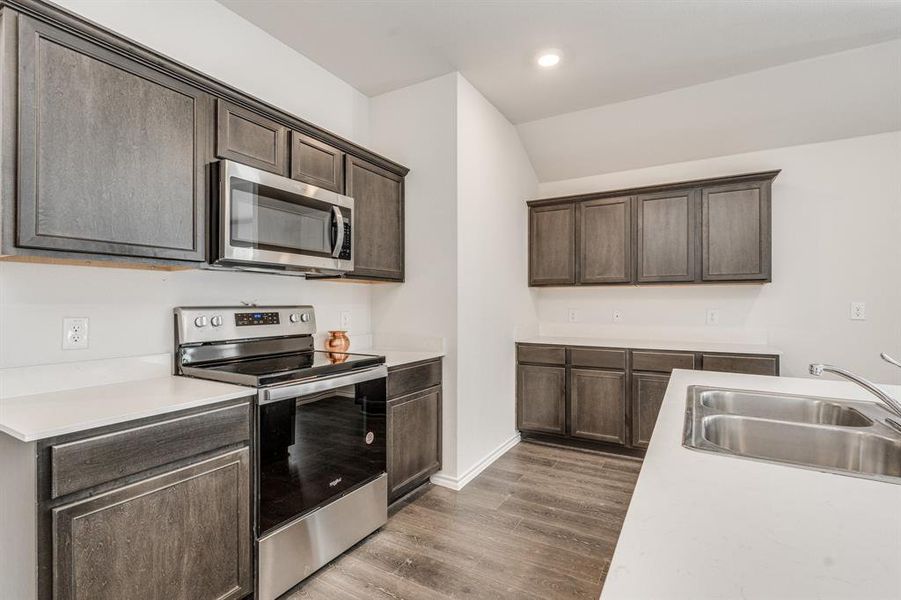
890	360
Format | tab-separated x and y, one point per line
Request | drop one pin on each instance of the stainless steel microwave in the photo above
266	222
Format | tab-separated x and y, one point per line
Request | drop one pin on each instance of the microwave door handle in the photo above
338	220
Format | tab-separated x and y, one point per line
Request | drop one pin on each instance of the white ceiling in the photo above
613	50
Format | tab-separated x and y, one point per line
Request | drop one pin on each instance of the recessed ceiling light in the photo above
549	58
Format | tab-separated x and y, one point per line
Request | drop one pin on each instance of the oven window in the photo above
271	219
314	449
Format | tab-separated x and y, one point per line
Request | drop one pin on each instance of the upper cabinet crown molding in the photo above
700	231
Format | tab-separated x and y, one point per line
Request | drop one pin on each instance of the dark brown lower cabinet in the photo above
607	398
598	405
413	426
648	390
182	535
414	440
541	391
155	508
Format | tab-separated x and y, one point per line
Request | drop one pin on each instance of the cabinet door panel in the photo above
666	237
251	139
648	390
605	241
316	163
184	535
414	440
111	153
598	405
541	393
378	221
736	232
552	245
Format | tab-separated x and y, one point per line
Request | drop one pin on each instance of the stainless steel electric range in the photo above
319	448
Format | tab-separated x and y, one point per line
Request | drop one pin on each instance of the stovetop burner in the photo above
271	370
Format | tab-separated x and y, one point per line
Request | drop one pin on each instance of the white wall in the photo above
130	310
494	177
830	97
466	253
836	227
416	126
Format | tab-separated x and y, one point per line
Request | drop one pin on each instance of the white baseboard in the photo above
457	483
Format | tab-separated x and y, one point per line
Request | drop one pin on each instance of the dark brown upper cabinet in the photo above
316	163
552	258
605	240
702	231
735	239
665	237
111	153
246	137
107	151
378	221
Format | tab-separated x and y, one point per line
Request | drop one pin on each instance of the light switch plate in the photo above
858	311
573	315
617	316
345	320
75	333
713	316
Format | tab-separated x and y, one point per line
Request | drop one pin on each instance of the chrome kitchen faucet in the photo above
890	403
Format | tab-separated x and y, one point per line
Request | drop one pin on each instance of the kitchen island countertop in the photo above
705	526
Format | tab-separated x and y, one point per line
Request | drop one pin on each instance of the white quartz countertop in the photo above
704	526
395	358
38	416
650	344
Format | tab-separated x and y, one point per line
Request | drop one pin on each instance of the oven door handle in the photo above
321	384
339	229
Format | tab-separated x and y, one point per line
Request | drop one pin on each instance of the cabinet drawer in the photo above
602	358
733	363
91	461
412	378
546	355
663	362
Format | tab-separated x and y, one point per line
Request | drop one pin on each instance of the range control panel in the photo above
197	324
256	318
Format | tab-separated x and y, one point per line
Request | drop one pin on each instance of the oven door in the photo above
269	221
321	442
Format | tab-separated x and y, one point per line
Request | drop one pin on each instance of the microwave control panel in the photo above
345	248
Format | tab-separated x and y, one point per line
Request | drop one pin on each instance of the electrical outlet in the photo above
713	316
617	316
858	311
573	315
345	320
75	333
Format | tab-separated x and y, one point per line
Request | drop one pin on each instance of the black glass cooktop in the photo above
269	370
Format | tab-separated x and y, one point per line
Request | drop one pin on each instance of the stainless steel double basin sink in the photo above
837	436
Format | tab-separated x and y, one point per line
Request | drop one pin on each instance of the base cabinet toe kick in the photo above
607	398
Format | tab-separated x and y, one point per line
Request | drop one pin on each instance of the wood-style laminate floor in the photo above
539	523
